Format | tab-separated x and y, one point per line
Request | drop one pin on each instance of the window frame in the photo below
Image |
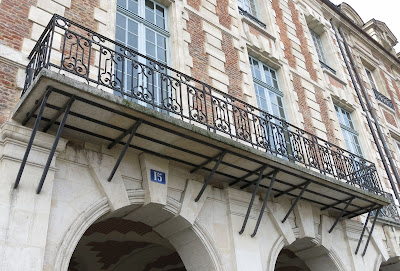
249	10
374	86
348	128
319	47
268	88
144	26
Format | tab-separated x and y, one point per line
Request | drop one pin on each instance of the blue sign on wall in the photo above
157	176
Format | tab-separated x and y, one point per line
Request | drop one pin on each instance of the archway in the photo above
306	255
119	244
288	261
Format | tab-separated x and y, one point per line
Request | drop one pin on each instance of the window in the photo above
269	97
142	26
318	46
249	6
271	132
371	79
349	133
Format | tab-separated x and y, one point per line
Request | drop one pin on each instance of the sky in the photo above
387	11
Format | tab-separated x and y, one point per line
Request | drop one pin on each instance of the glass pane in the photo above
149	4
149	16
132	41
133	26
161	41
161	54
150	36
120	35
133	6
120	20
121	3
150	49
160	11
160	21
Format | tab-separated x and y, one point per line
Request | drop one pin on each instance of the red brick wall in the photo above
232	66
223	14
302	100
303	42
8	91
194	3
196	48
82	12
283	34
14	23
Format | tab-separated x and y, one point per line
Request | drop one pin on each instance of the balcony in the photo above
109	91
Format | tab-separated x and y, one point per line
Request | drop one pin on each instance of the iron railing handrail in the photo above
256	126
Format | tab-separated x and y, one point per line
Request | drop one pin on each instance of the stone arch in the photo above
192	240
315	256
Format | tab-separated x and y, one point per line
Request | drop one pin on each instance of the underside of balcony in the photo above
100	117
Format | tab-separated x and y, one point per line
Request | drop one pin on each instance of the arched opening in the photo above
393	264
119	244
288	261
306	255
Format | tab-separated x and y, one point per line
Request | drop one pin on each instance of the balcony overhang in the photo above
100	117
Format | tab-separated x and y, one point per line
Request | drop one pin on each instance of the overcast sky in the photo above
387	11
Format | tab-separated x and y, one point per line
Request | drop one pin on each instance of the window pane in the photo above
121	3
133	6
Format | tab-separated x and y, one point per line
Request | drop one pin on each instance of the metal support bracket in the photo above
247	175
260	174
334	204
57	115
265	203
206	162
34	130
207	181
53	148
370	232
341	214
133	131
297	200
290	190
265	176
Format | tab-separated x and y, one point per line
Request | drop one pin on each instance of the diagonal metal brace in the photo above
57	115
252	200
297	200
246	176
221	156
207	162
370	232
341	214
34	130
253	182
290	190
363	230
133	130
53	148
118	139
334	204
265	203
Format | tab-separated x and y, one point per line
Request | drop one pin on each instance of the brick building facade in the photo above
166	127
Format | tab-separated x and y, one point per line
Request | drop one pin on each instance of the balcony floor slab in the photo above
100	117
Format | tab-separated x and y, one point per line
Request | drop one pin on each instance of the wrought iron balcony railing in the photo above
105	63
389	213
382	98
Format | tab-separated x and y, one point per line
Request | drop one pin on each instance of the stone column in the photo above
24	214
